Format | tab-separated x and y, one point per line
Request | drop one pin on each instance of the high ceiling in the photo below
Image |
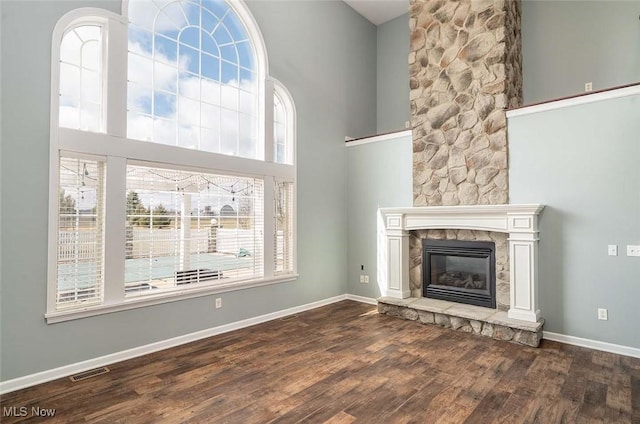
379	11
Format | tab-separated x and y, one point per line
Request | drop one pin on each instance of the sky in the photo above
191	73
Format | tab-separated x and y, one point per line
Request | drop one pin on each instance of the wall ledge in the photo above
352	142
581	99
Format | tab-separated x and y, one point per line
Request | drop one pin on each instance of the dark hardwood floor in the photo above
345	363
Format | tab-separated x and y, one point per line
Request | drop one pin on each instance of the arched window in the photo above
203	90
81	78
283	125
279	129
146	203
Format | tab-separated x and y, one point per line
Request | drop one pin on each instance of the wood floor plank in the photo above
341	418
594	404
635	395
515	409
344	363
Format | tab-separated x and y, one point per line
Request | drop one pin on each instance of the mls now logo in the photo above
23	411
36	411
14	411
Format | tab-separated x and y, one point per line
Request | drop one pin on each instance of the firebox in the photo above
459	271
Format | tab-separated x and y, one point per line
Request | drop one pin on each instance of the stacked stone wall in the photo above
465	71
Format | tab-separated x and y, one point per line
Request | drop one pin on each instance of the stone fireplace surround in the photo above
521	323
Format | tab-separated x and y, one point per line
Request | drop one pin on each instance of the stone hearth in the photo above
467	318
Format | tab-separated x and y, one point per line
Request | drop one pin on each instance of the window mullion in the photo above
115	229
269	150
269	227
185	232
115	56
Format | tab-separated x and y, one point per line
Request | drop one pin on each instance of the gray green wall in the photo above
568	43
564	45
379	175
324	52
582	163
394	108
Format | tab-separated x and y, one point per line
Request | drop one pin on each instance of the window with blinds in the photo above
195	134
81	199
185	228
283	258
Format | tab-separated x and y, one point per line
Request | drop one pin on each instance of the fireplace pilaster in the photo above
397	250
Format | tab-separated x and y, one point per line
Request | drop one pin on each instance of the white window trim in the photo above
134	303
116	149
292	120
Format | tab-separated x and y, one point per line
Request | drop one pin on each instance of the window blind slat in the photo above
283	242
80	232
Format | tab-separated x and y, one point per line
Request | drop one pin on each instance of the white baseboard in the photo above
66	370
362	299
592	344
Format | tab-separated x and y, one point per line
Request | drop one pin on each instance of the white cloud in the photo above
197	119
80	79
200	113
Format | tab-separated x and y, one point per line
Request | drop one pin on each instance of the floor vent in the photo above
88	374
289	317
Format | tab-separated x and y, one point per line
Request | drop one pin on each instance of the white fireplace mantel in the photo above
519	221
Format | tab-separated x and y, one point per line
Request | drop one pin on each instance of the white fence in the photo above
165	241
77	245
229	240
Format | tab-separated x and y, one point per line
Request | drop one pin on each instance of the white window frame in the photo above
113	145
290	110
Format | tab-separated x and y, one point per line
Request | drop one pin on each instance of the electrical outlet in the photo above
588	86
366	279
407	124
362	278
613	250
603	314
633	250
218	302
